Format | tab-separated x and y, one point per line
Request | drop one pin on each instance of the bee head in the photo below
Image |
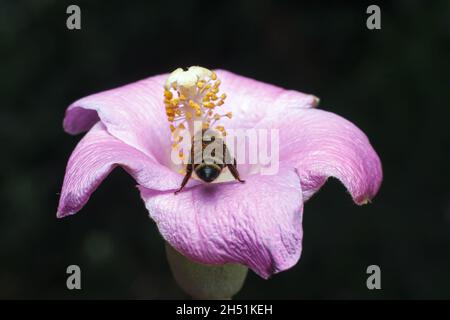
208	172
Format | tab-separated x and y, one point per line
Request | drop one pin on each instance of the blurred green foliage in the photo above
393	83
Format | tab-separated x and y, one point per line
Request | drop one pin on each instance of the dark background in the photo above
393	83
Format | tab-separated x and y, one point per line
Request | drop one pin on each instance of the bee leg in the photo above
234	171
232	167
189	169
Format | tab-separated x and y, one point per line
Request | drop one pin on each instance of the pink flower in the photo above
257	223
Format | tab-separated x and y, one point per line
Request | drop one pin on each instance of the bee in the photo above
204	161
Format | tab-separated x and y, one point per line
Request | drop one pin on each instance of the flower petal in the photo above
133	113
95	156
250	100
320	144
257	223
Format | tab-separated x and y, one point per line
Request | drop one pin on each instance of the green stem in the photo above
201	281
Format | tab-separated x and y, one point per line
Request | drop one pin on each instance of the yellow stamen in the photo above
167	94
189	95
209	105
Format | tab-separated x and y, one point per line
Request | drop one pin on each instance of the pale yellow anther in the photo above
205	88
198	113
172	128
220	102
188	115
182	171
220	128
216	117
209	105
223	96
205	125
213	76
181	126
182	97
167	94
230	115
175	102
200	84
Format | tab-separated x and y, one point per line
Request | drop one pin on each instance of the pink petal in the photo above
133	113
95	156
321	144
250	100
257	223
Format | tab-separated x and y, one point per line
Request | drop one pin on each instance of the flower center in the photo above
192	97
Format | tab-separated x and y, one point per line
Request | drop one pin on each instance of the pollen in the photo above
168	95
192	95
